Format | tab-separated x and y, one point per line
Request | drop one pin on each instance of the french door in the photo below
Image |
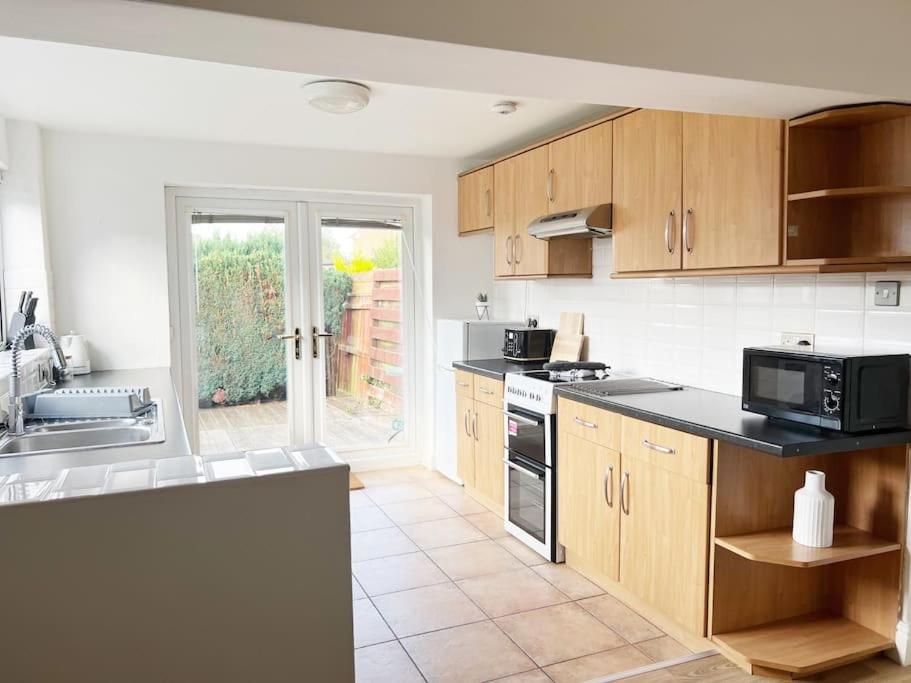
294	324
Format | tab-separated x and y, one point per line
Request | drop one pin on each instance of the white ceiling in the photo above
96	89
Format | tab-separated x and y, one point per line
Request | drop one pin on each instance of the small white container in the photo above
814	512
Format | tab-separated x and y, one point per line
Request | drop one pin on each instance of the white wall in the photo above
23	220
106	209
693	330
4	150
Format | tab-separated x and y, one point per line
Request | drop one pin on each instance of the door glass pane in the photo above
239	265
526	503
363	397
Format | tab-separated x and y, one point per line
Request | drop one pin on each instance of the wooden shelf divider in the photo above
802	645
851	192
776	546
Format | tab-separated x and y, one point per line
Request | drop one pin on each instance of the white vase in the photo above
814	512
482	308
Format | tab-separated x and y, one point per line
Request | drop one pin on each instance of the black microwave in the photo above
849	393
527	343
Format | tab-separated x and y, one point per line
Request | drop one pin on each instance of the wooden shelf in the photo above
777	547
852	116
867	261
851	192
801	646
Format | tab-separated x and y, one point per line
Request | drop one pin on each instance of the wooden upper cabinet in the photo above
647	186
531	257
476	200
580	169
732	169
504	218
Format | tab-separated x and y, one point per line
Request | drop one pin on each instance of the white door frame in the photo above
421	335
183	298
317	210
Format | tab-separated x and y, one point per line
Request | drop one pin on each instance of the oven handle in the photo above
522	419
510	463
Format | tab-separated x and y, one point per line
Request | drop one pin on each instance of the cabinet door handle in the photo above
487	199
624	496
609	486
668	239
550	185
462	384
515	251
465	423
585	423
474	427
508	250
655	447
485	390
686	231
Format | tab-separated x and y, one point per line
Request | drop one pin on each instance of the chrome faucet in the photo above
15	424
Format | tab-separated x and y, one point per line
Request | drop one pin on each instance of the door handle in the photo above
296	336
585	423
515	250
686	231
474	427
522	419
487	196
624	496
316	337
484	390
519	468
508	249
550	185
655	447
465	423
609	486
667	232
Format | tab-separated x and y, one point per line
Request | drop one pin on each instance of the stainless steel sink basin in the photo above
48	436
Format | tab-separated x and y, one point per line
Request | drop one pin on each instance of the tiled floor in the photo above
441	593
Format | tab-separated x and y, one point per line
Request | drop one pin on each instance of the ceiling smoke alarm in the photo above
504	108
337	97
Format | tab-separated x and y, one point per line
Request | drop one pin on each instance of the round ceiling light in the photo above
504	108
337	97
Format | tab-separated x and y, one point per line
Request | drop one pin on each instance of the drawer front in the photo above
489	391
464	384
677	452
587	422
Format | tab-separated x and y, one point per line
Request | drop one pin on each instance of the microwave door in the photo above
785	385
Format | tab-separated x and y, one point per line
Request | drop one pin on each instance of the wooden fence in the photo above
369	359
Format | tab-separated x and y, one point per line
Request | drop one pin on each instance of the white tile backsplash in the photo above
693	330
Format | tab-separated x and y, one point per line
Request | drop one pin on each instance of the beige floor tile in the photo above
414	511
473	559
662	649
398	573
536	676
510	592
385	663
556	634
359	499
442	486
357	592
518	549
369	518
621	618
462	503
369	545
427	609
568	580
383	477
489	523
441	532
597	665
369	627
396	493
466	654
420	473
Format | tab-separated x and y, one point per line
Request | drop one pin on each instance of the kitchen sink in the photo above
49	436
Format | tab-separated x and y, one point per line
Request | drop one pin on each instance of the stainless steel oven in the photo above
530	480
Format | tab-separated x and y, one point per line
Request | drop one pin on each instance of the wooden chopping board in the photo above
567	347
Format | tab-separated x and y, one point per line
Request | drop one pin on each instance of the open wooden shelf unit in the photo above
849	185
785	610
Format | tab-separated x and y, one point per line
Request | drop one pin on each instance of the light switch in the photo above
885	293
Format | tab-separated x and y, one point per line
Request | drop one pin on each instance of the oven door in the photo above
530	505
527	434
781	385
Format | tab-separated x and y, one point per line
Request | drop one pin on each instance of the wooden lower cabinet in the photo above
479	440
465	441
588	504
664	529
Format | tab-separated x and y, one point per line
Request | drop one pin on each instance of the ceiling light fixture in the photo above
505	108
337	97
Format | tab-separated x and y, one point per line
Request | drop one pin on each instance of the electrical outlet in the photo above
532	320
886	293
804	340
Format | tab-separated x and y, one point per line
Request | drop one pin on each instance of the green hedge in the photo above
240	308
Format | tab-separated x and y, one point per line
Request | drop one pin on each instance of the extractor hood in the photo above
595	221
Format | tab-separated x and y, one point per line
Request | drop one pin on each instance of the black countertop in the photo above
496	368
719	416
